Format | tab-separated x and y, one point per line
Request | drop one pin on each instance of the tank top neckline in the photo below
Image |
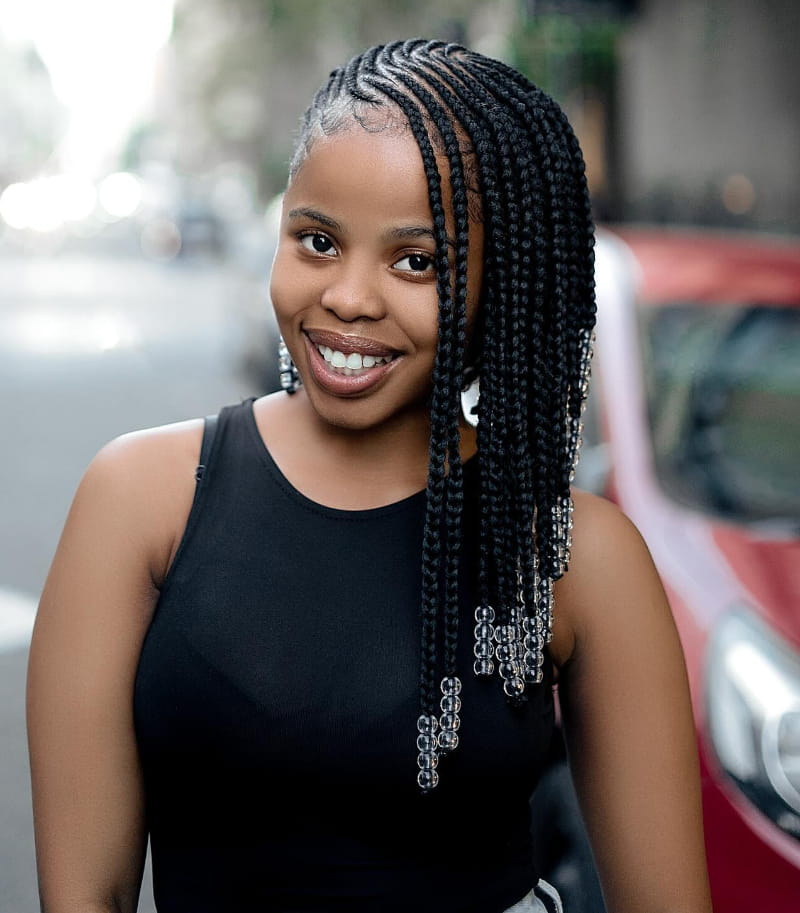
410	501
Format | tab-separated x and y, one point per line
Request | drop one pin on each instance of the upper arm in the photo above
92	618
627	719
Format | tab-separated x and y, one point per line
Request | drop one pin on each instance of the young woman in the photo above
310	648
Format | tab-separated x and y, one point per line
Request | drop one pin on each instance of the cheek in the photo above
419	318
282	291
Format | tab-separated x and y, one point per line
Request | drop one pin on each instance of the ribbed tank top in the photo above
275	708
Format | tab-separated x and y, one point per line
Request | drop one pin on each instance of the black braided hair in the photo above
513	161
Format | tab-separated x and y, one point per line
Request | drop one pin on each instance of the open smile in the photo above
353	362
347	365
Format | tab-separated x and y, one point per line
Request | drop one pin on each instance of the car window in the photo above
723	390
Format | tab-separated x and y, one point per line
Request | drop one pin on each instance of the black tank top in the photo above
275	708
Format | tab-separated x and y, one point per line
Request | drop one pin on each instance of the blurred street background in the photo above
142	147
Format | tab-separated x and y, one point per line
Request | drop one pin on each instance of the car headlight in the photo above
754	715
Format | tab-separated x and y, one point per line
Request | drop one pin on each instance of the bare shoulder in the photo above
602	533
146	480
611	582
151	446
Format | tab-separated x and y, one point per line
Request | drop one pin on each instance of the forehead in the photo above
370	171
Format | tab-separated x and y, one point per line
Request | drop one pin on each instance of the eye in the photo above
317	243
415	263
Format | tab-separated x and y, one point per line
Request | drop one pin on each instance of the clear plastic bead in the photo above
506	634
527	625
427	779
451	685
427	760
533	676
483	649
450	703
450	721
448	740
533	659
483	666
484	613
426	742
532	642
514	686
484	631
505	653
427	724
509	670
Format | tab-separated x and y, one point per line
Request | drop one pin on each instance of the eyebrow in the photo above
415	231
410	231
305	212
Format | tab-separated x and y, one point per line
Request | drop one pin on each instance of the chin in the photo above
368	413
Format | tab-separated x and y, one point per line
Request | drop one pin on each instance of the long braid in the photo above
452	91
502	538
555	510
452	342
523	332
432	535
454	487
532	341
495	396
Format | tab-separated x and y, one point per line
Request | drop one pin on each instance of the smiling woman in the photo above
309	645
355	274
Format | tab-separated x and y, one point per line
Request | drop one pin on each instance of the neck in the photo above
374	465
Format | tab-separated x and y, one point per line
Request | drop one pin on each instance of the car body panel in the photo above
710	565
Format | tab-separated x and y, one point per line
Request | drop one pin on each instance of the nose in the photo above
353	293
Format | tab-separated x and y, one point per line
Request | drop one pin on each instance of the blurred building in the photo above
709	113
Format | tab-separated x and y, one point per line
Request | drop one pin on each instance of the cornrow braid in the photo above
513	162
454	331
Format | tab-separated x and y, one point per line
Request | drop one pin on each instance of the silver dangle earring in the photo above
290	379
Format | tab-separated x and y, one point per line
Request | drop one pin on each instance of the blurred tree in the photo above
569	48
240	72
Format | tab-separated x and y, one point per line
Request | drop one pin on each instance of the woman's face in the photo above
354	281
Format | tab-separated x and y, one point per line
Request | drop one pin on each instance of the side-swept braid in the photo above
513	161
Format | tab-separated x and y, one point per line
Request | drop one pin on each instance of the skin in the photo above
357	450
623	688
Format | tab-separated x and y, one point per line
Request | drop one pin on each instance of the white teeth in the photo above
354	362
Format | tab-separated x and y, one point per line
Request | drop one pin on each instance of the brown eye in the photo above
317	243
415	263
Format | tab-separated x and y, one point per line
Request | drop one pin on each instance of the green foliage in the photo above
564	54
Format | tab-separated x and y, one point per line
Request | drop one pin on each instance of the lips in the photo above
347	365
349	344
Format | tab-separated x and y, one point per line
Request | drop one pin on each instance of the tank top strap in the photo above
215	427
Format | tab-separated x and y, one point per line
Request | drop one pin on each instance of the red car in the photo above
694	430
